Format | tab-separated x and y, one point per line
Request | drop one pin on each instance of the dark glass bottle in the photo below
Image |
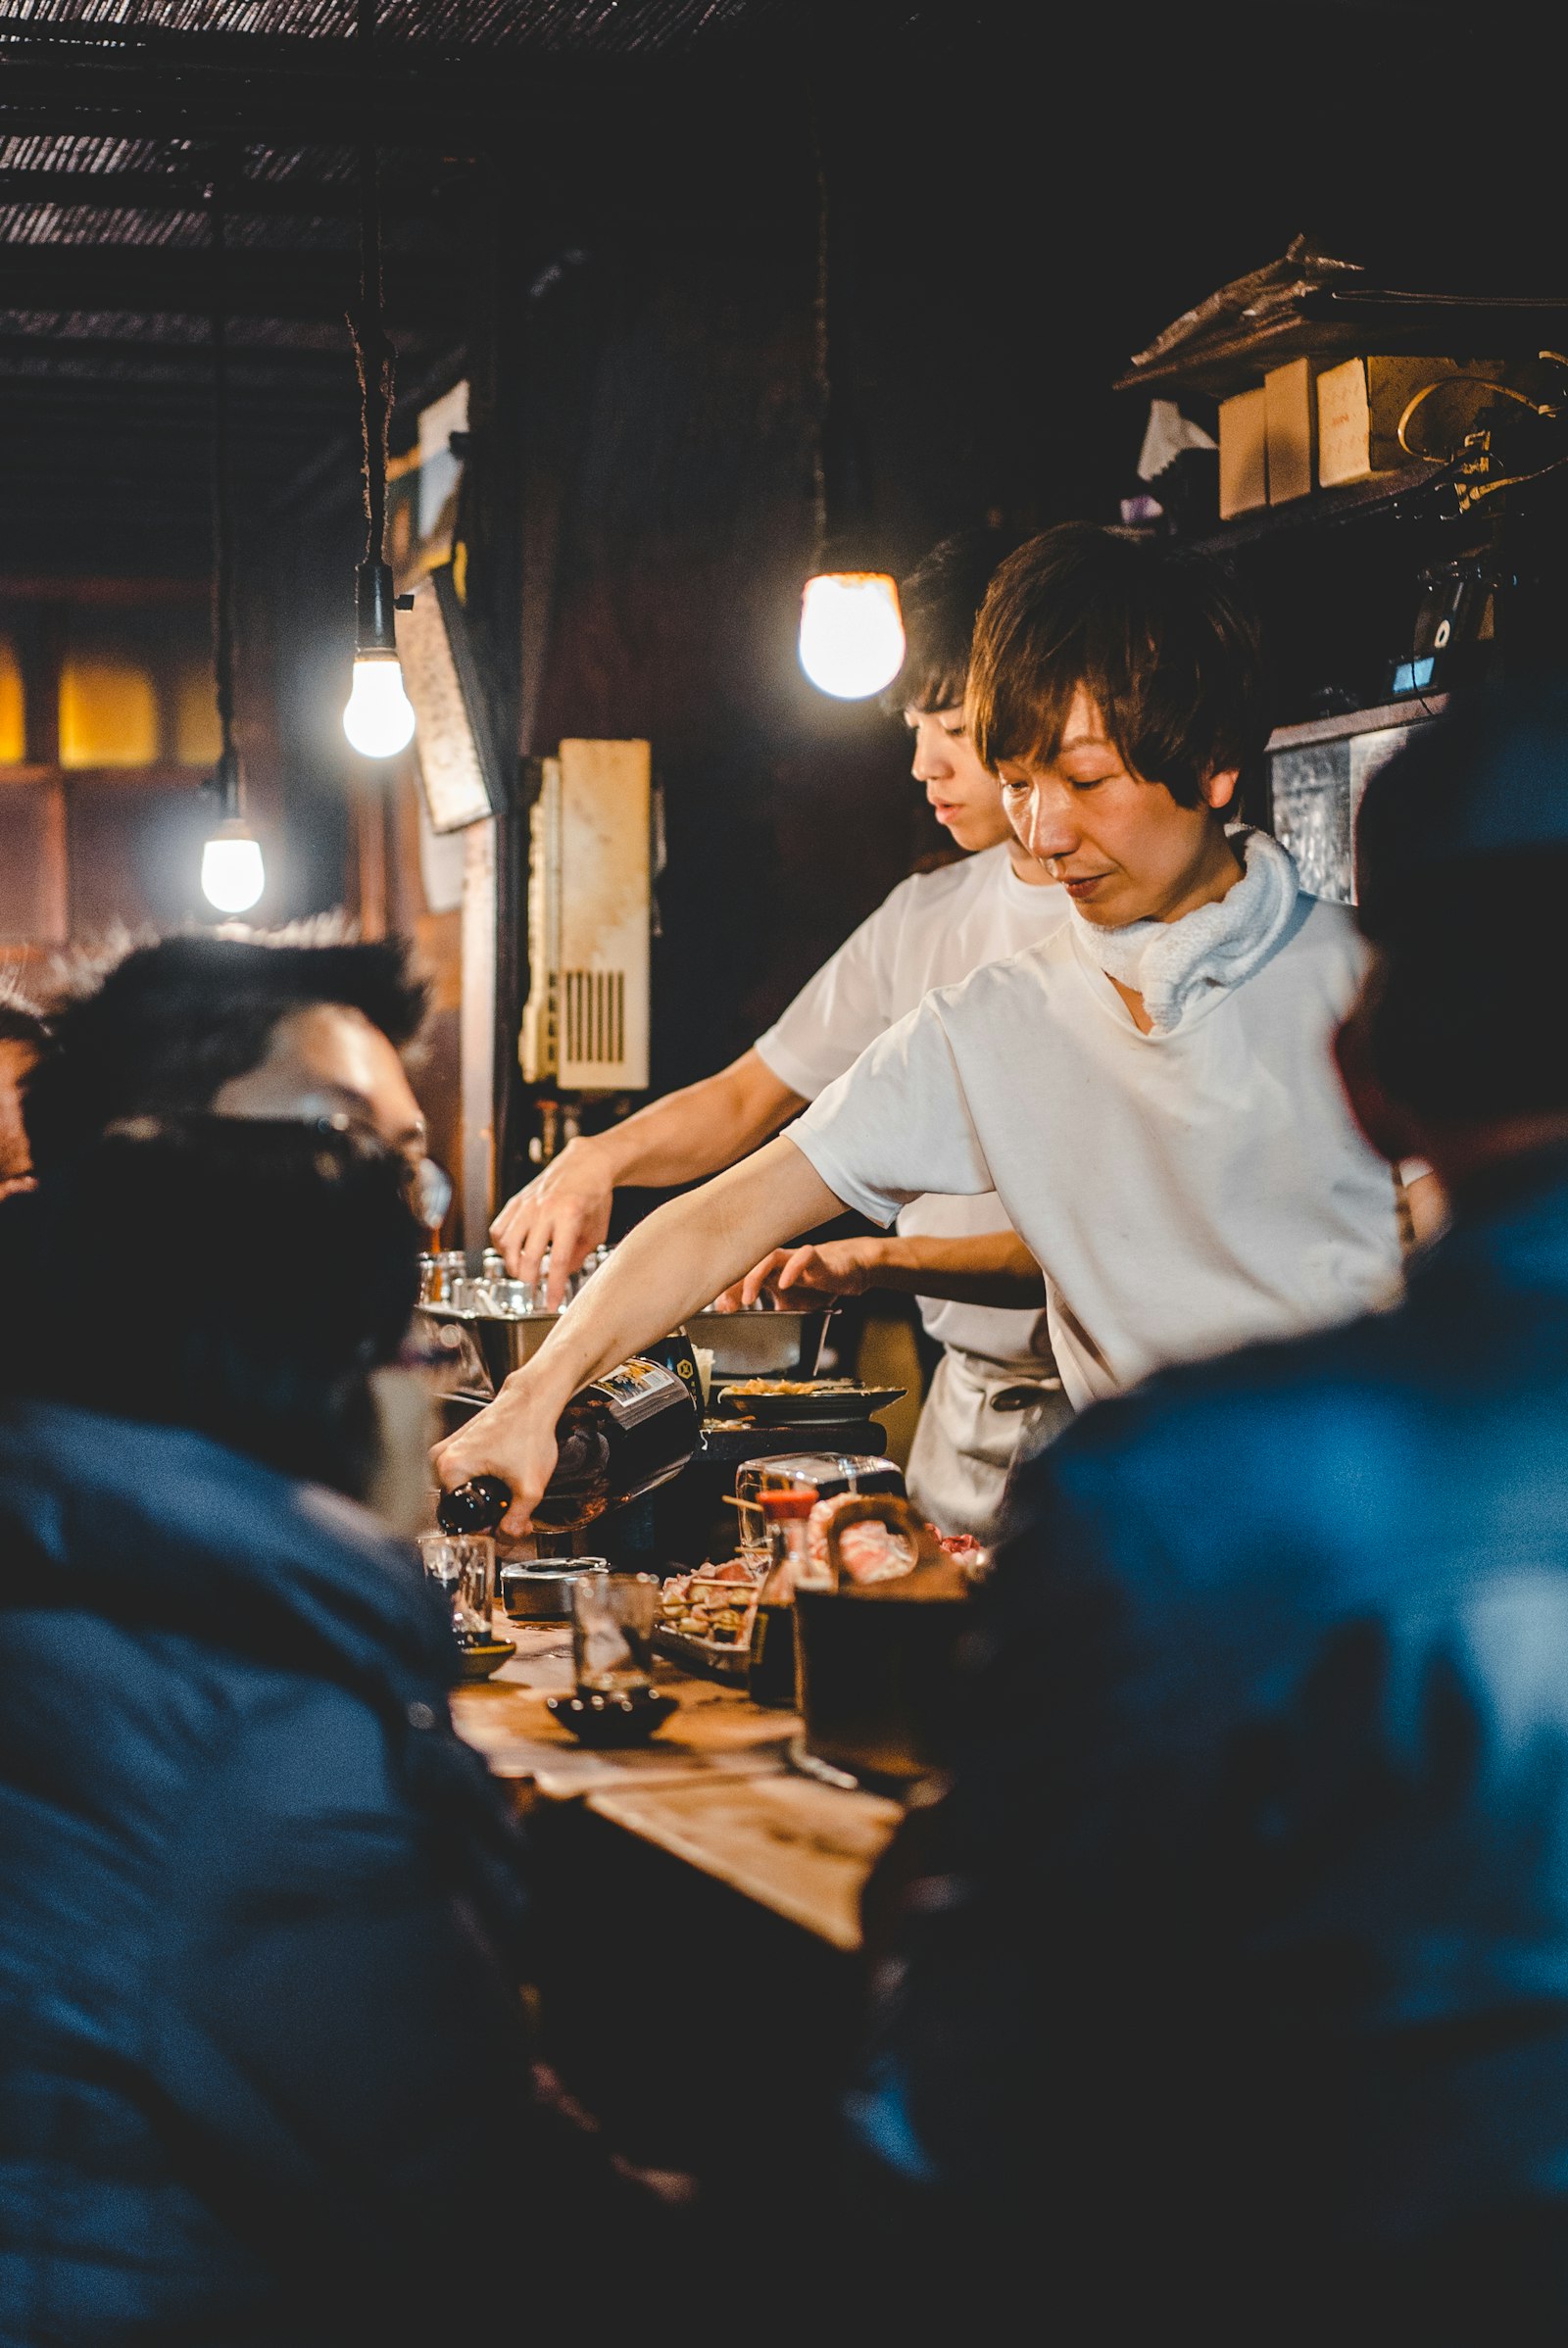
619	1437
770	1667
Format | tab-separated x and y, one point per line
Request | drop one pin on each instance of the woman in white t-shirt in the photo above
1148	1091
996	1387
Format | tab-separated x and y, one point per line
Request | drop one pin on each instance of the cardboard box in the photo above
1243	453
1360	402
1289	410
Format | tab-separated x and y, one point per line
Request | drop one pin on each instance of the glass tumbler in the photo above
463	1564
613	1621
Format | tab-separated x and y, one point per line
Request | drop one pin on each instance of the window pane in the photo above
13	709
108	714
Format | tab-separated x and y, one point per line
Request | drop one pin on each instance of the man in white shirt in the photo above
1148	1091
996	1389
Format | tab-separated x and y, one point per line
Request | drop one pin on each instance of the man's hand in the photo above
514	1438
564	1209
686	1134
804	1278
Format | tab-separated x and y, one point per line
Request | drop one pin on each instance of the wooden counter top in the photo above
713	1787
717	1730
802	1850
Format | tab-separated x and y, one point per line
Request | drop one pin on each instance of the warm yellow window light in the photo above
198	736
108	714
13	708
852	632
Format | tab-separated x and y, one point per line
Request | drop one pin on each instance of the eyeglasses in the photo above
426	1185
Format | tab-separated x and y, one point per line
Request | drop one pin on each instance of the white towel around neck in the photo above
1176	966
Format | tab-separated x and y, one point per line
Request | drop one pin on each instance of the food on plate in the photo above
713	1603
870	1548
971	1555
788	1386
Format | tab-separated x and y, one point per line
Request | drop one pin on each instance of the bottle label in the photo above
635	1391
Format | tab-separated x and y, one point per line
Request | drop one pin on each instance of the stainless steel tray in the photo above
484	1349
761	1343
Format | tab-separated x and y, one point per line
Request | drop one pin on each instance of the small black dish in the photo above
479	1657
612	1719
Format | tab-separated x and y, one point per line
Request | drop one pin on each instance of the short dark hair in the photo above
173	1022
1162	640
1463	877
265	1344
19	1023
940	601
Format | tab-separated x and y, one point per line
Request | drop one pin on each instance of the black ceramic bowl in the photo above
612	1719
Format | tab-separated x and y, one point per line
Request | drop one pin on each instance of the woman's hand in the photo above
512	1437
804	1278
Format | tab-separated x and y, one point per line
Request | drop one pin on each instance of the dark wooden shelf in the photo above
1360	501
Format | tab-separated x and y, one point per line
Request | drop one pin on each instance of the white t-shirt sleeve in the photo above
897	1125
842	1009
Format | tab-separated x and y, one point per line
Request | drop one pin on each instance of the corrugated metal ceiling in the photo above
593	27
114	116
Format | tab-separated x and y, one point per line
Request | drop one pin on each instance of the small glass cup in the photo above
464	1565
613	1621
750	1525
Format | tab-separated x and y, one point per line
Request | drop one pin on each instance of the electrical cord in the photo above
229	780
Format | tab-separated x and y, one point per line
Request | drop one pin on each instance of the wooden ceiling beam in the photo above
268	86
403	196
151	278
298	360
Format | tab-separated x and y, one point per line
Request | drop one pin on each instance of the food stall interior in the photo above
647	268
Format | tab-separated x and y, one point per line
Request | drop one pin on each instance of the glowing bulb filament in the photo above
852	632
380	717
233	872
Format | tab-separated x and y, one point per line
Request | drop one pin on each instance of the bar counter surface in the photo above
713	1788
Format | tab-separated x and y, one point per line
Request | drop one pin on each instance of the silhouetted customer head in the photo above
24	1037
139	1301
262	1915
1228	1941
1462	860
250	1027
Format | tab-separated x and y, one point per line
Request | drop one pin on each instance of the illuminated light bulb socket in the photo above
852	632
233	872
380	717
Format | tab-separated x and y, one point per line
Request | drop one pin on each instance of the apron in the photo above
980	1418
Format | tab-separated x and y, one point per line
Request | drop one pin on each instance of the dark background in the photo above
1019	198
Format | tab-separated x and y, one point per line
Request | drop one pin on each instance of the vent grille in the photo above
596	1017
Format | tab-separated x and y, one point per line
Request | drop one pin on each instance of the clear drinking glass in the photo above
613	1620
750	1525
463	1564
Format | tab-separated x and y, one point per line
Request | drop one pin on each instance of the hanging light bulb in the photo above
852	629
852	632
378	718
233	875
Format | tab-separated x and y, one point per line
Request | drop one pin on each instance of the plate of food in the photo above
704	1617
788	1402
